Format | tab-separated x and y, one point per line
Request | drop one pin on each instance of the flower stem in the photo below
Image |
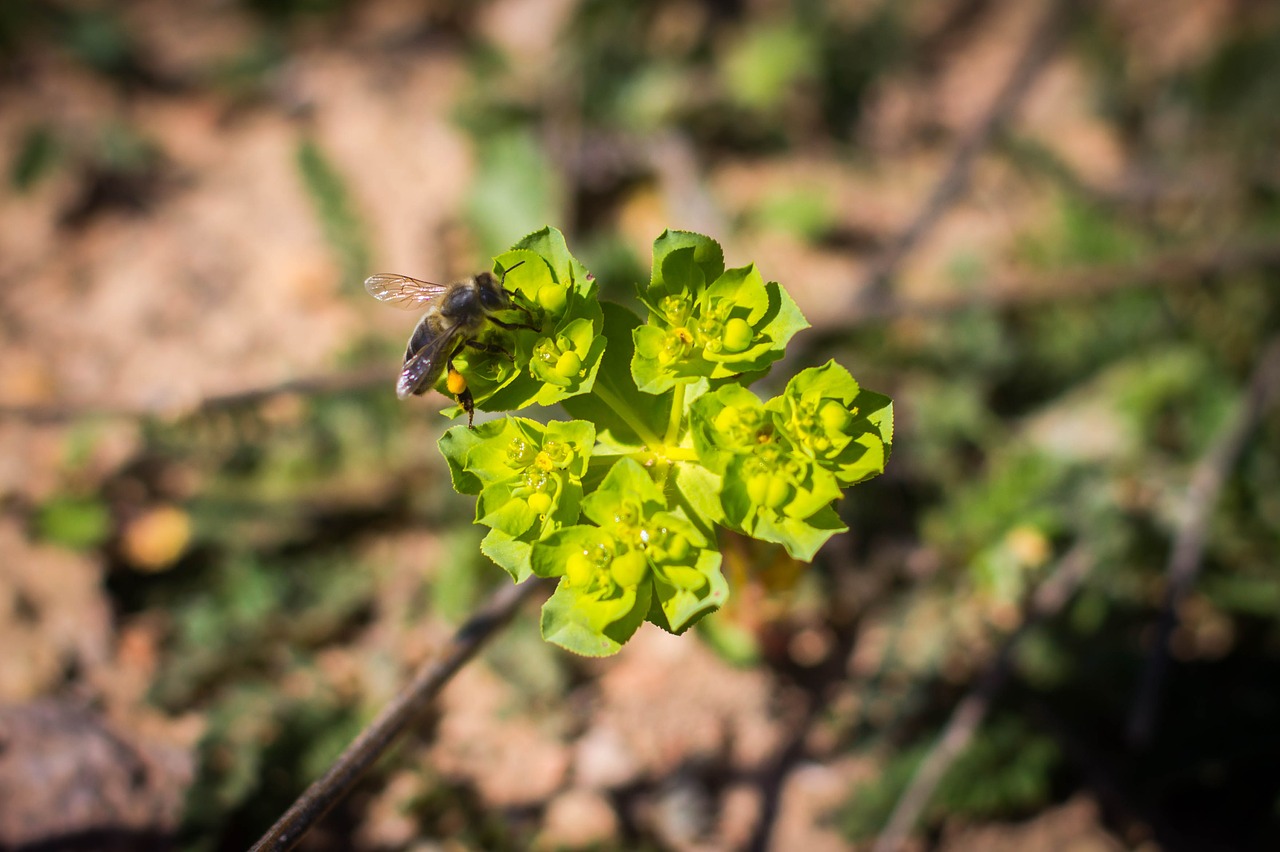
677	416
628	416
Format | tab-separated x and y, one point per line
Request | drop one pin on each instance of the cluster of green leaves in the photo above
623	504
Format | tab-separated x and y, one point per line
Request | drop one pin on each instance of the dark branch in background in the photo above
1185	558
1048	599
374	740
1038	49
338	383
1177	267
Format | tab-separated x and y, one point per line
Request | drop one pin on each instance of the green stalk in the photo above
677	415
624	412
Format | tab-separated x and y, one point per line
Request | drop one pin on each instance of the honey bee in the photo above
455	315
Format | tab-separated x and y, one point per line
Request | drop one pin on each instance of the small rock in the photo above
577	818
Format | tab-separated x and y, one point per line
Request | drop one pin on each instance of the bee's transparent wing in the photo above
403	291
422	369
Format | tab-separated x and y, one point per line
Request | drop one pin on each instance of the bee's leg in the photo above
457	385
468	404
491	348
510	326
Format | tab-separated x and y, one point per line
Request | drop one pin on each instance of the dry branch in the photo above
335	383
1176	267
1048	599
1185	558
1039	47
375	739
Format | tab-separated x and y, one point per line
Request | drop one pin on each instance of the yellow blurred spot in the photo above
156	539
456	382
1028	546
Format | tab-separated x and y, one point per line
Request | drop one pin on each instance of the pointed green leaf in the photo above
698	492
590	626
682	595
801	538
550	244
510	554
704	253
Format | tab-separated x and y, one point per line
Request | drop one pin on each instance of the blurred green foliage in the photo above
35	158
516	190
1006	771
343	227
80	523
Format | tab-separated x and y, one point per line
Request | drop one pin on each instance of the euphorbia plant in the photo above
623	505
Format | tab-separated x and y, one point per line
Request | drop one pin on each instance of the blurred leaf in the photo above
1007	769
342	225
1084	233
804	212
36	157
456	581
763	67
516	190
80	523
98	38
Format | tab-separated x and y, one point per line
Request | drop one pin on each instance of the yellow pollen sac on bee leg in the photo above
455	382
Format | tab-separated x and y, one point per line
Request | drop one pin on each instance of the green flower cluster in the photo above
622	504
706	321
557	358
527	476
638	560
784	462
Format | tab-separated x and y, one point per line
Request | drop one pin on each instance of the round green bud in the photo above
552	298
540	502
568	365
677	547
780	493
685	578
834	416
579	569
737	335
628	569
770	490
727	419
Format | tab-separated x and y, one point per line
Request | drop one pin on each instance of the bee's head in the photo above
492	295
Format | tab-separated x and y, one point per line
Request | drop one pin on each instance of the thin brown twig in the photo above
1048	599
1039	47
333	383
1187	553
1175	267
375	739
